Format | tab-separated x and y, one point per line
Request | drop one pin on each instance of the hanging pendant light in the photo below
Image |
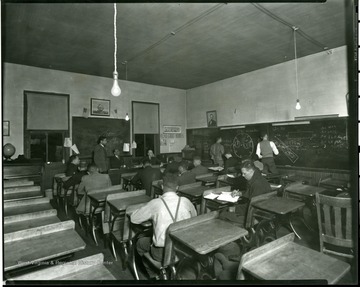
115	90
297	106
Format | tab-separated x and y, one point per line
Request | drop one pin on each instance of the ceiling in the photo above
210	41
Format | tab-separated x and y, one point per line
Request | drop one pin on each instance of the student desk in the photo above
283	259
332	184
286	179
205	233
30	220
117	209
194	194
22	192
27	247
282	208
16	208
306	193
97	203
273	178
88	268
209	180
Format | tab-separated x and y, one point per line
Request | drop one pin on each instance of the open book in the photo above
224	196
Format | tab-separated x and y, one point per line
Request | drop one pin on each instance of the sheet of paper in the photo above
211	196
231	175
226	196
216	168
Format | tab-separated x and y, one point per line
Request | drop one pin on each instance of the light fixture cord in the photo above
296	68
115	40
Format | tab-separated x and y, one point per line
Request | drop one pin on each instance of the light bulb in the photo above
298	107
127	117
115	90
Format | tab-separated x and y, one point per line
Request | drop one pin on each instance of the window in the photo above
46	124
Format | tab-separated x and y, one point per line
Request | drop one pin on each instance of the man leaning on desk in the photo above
162	212
257	185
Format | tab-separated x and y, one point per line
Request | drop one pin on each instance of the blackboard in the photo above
242	142
86	131
321	143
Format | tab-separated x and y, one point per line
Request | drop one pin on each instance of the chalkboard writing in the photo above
322	143
86	131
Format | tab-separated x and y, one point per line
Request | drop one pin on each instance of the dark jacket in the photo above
145	177
199	170
230	164
186	178
116	162
100	158
153	160
75	175
172	167
257	185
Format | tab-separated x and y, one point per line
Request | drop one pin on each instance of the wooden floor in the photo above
115	267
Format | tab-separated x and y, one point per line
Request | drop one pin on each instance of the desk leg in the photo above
92	224
290	217
266	231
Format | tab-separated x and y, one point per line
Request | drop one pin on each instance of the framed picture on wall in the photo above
6	128
211	119
100	107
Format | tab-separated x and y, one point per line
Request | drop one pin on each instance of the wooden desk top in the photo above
17	183
17	210
208	179
279	205
292	261
209	235
52	244
30	223
194	192
88	268
101	196
335	183
122	203
302	189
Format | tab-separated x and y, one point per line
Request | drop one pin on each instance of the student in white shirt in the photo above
265	150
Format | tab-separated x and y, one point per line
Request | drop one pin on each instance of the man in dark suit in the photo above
198	168
116	161
185	176
100	156
146	176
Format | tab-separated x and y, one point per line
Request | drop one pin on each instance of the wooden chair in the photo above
155	192
127	185
57	184
335	225
116	230
251	255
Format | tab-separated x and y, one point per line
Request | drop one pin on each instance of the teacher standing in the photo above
265	150
100	156
217	151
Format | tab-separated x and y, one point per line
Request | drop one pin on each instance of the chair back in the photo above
254	254
335	224
157	182
250	218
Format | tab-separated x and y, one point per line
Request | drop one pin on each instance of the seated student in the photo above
162	212
172	166
94	180
72	170
257	185
146	176
185	176
153	159
198	168
116	161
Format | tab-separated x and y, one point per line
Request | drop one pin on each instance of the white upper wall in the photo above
81	88
269	94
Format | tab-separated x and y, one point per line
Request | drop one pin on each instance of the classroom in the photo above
180	142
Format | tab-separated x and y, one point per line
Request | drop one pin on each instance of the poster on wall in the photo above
172	129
